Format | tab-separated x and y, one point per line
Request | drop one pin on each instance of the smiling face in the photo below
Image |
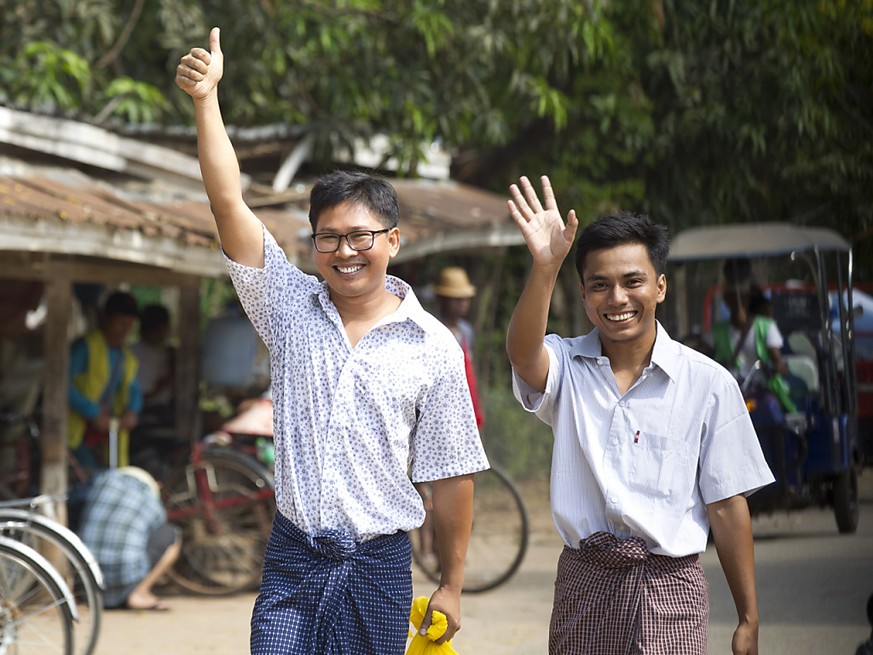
355	275
620	292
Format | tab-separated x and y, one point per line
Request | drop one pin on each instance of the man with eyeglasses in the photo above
367	387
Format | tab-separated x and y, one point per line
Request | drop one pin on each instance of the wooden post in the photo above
53	439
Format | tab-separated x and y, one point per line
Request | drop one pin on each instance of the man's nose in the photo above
345	250
618	294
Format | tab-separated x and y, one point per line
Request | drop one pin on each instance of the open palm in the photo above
548	238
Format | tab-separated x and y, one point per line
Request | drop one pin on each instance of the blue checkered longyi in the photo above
325	594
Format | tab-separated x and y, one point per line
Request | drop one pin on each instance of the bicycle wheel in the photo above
225	507
78	567
498	540
37	609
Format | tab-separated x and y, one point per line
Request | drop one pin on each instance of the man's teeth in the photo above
349	269
620	317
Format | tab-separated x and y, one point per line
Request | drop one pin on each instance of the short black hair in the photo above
372	192
120	303
153	317
621	229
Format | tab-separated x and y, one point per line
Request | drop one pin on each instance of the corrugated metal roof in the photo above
148	205
42	214
80	216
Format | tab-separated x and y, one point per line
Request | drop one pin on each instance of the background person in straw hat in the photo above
455	293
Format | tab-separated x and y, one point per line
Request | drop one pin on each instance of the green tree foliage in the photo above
763	112
698	112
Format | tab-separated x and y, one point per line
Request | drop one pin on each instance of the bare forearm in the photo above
527	327
453	518
732	533
218	163
239	230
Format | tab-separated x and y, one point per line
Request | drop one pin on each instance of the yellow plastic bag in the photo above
424	644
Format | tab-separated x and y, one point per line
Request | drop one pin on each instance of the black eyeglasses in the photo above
357	240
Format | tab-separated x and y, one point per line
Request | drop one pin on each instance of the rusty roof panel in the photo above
33	198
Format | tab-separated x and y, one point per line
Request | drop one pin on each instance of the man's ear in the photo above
393	241
662	287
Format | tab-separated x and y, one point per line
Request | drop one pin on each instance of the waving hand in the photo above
548	238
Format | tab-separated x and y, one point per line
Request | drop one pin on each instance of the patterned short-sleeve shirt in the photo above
352	424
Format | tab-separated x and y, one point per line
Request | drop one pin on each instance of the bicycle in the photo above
20	520
224	502
37	609
498	539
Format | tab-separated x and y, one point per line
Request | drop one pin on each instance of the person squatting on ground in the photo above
103	386
367	387
124	524
653	444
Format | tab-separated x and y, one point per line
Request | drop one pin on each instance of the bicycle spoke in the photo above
225	508
498	540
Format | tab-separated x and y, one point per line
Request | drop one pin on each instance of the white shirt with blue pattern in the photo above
351	424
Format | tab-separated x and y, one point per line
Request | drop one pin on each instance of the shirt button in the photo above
613	499
615	441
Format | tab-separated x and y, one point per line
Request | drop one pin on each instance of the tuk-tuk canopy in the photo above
752	240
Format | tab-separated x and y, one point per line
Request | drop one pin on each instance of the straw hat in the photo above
143	476
454	283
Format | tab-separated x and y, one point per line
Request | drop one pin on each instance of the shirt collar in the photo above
664	354
410	308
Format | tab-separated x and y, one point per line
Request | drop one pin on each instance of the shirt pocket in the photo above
661	466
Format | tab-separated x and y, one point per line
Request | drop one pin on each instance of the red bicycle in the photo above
224	502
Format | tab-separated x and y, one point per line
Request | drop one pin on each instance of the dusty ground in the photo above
812	589
515	616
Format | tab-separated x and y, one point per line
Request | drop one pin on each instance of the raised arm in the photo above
549	241
239	230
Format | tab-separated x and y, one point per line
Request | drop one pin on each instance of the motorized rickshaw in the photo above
814	450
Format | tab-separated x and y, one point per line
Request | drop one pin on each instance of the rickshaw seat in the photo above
805	368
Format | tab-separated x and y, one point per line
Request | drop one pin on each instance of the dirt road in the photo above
511	620
812	590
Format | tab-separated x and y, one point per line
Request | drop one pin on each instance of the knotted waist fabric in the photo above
613	597
326	594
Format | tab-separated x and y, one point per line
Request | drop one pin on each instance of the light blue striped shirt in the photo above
645	463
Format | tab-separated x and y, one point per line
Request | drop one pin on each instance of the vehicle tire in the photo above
37	609
224	506
846	507
79	568
498	540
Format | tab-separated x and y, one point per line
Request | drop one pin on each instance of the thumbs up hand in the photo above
199	72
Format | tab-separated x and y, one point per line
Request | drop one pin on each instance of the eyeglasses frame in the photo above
346	236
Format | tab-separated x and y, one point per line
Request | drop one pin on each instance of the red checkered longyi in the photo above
613	597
